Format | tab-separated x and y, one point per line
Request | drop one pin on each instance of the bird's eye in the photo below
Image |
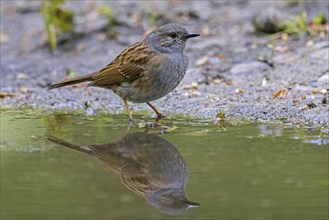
173	35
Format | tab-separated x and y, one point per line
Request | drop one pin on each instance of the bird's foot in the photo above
131	119
160	117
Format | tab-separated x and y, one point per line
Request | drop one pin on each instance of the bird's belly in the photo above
154	85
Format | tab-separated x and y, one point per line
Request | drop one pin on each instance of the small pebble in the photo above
222	56
314	91
324	79
229	82
4	38
102	37
284	36
191	86
202	61
194	86
205	31
21	76
196	93
309	43
233	98
311	105
80	47
24	90
239	90
217	81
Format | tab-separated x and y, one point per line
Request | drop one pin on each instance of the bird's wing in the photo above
127	67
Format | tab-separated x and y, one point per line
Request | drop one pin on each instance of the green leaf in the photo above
107	11
319	19
62	18
56	19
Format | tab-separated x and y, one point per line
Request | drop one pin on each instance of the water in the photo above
251	171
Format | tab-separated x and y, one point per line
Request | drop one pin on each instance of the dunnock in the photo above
145	71
148	165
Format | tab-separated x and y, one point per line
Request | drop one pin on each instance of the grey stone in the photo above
322	54
249	68
324	80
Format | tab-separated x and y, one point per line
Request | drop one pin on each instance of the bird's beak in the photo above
191	204
189	35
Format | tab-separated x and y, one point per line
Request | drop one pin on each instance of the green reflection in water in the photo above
252	171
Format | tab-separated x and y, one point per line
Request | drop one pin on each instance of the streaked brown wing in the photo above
119	165
131	175
128	66
139	184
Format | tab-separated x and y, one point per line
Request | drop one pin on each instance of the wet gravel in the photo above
224	74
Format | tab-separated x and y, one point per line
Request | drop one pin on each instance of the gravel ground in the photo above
224	73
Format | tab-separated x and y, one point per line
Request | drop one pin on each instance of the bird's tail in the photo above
76	80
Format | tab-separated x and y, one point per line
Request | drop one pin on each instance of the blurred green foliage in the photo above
151	15
71	73
107	11
319	19
302	24
57	20
271	21
297	26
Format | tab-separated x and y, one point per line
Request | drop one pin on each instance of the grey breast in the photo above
167	76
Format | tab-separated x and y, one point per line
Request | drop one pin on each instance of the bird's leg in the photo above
128	110
160	115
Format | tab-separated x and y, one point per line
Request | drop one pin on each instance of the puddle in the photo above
63	166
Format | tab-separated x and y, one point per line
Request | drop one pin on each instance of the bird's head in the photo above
169	38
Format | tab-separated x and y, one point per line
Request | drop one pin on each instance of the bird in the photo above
147	164
146	70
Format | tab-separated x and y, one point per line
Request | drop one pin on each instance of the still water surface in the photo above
64	166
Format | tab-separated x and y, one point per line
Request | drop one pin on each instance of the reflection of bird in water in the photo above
146	164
